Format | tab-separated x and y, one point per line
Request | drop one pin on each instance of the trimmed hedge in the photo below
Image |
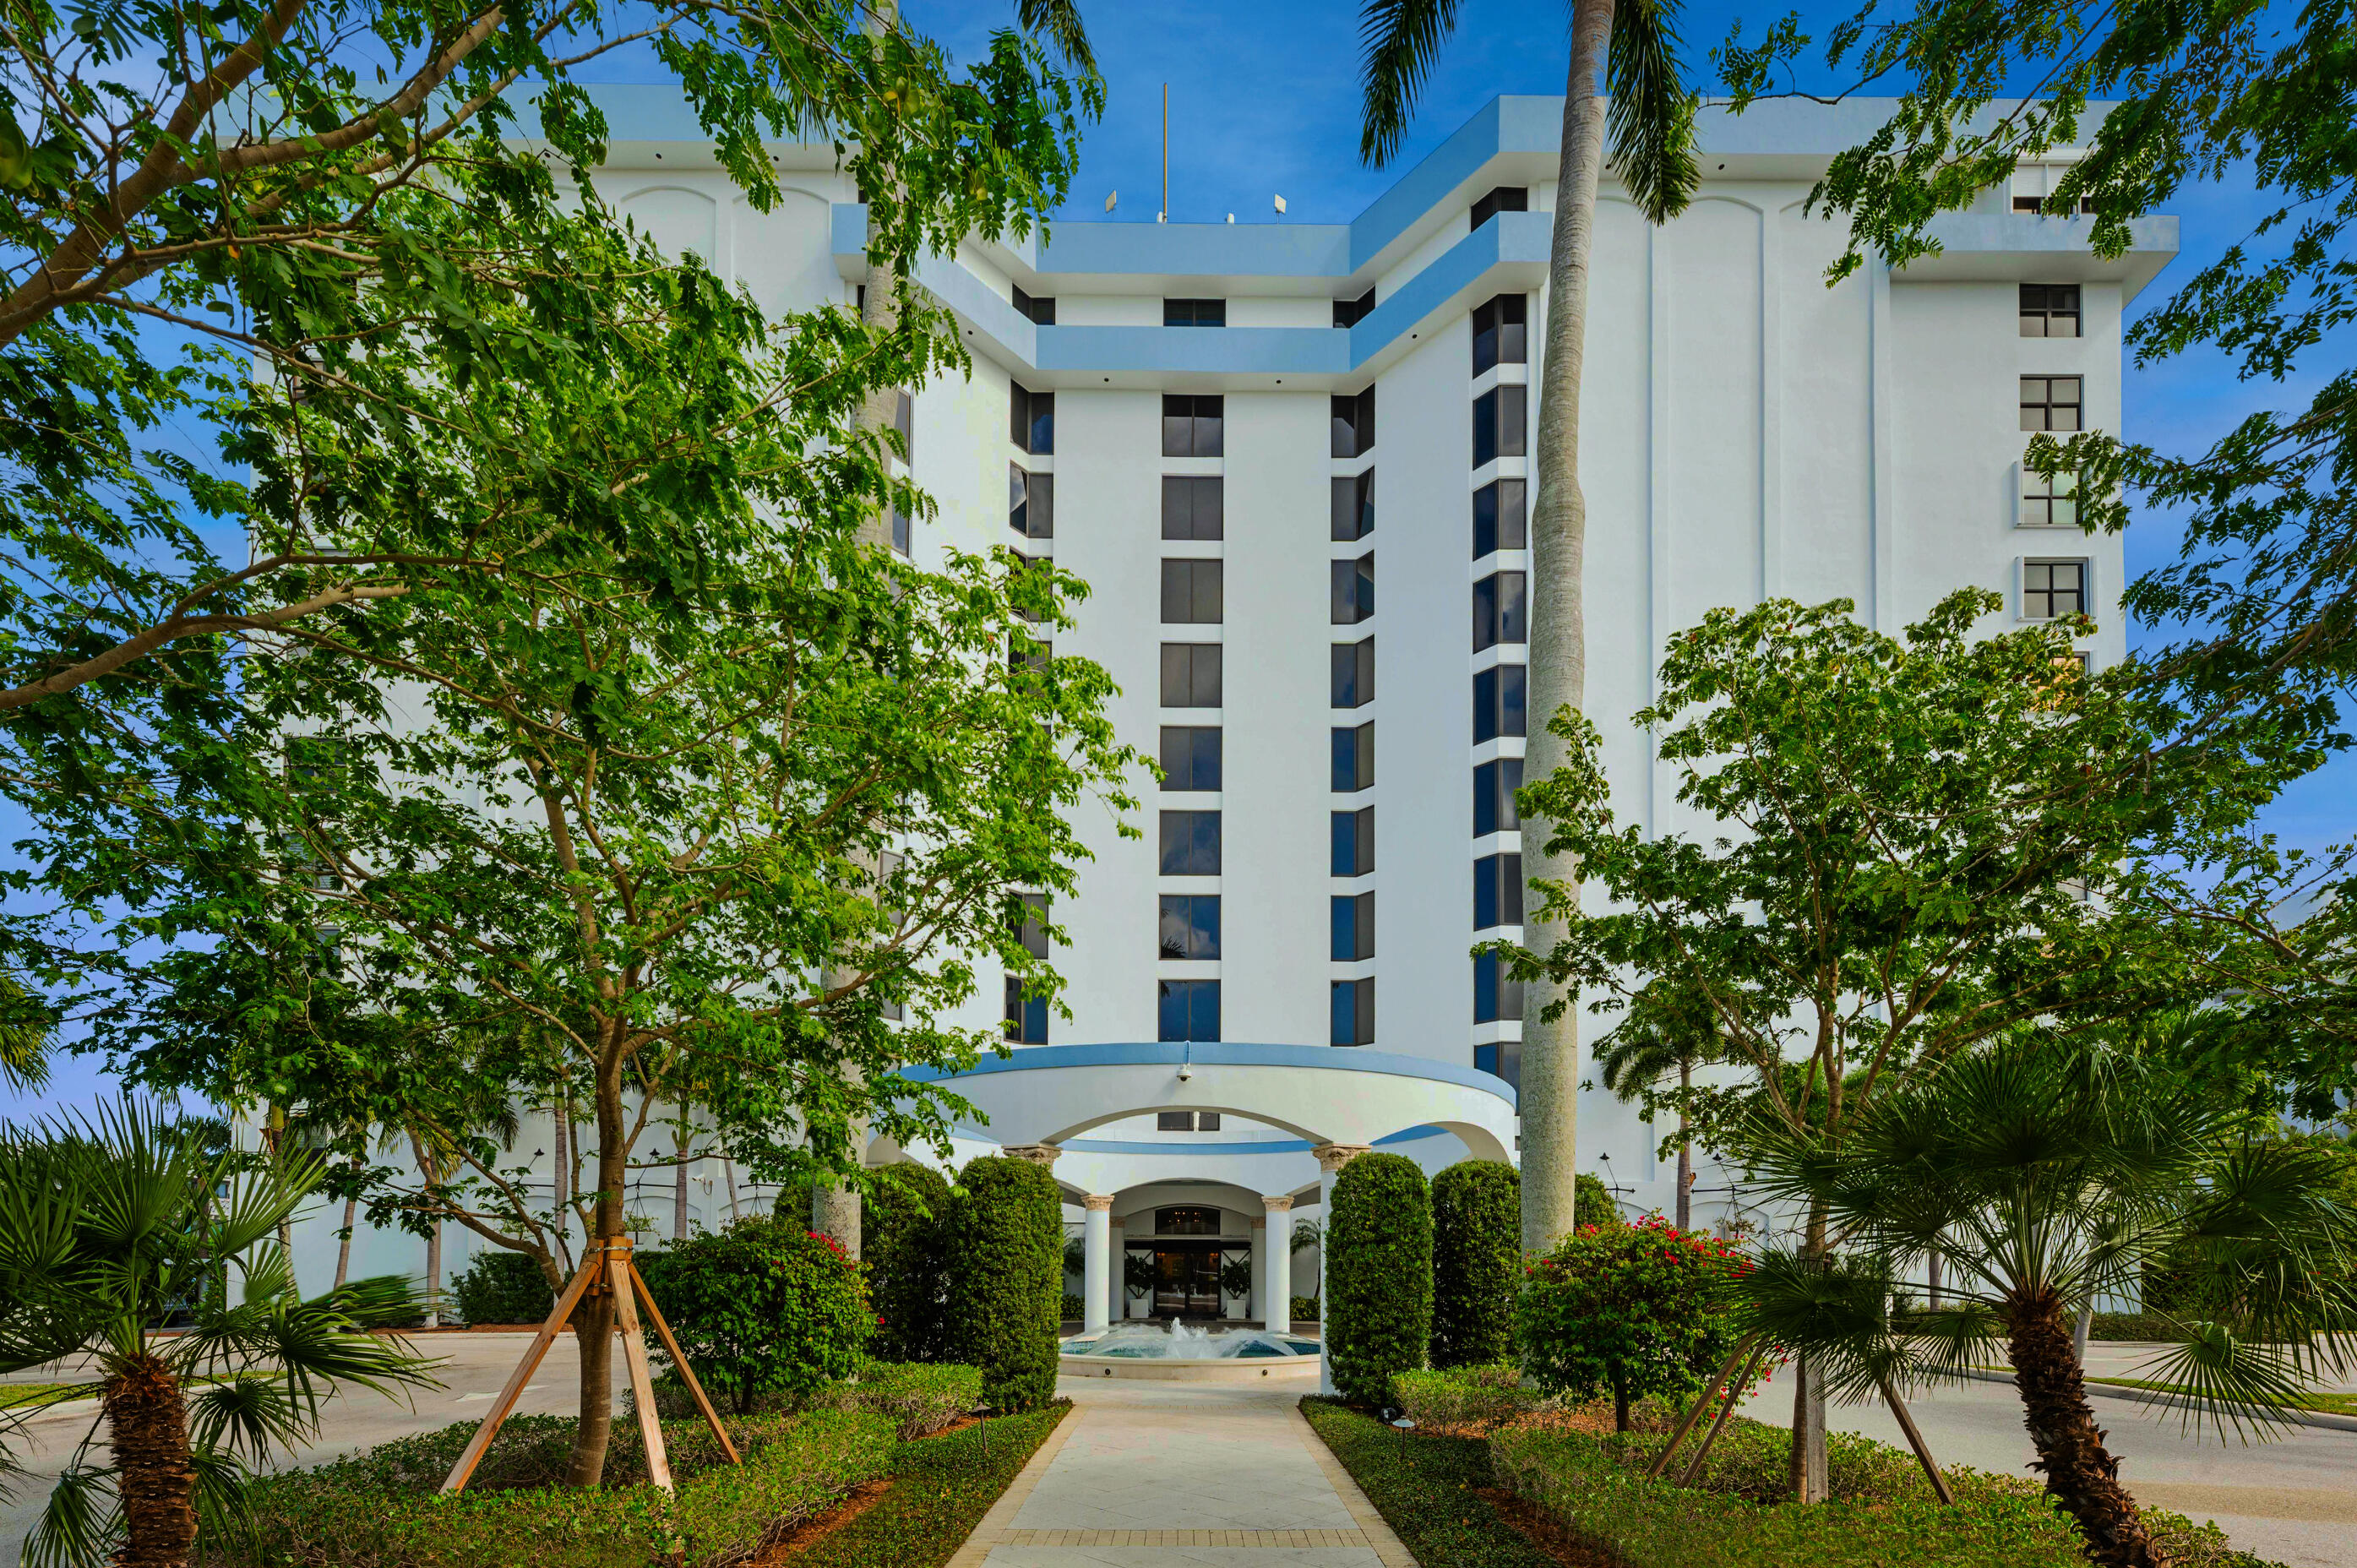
1304	1309
941	1488
766	1306
1477	1262
501	1286
919	1400
1591	1202
1006	1278
1378	1276
1463	1399
383	1508
904	1242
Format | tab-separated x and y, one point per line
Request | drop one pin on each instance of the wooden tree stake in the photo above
679	1359
1718	1380
1915	1441
634	1353
558	1318
1726	1409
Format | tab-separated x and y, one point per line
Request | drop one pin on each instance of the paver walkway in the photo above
1155	1475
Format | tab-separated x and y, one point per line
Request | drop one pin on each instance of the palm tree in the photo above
1650	131
111	1224
24	1030
1634	1060
2041	1173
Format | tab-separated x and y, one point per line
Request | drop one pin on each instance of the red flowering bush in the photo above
1635	1309
762	1308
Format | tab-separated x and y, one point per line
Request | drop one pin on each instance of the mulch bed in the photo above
863	1496
1544	1530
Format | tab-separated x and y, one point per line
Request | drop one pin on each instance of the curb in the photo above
2322	1418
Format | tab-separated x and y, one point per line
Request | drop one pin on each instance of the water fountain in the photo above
1186	1352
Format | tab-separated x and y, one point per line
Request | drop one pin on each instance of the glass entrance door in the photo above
1187	1282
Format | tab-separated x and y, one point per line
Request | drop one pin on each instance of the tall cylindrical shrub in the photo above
904	1242
1378	1276
1477	1263
1006	1278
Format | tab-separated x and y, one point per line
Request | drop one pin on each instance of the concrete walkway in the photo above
1163	1475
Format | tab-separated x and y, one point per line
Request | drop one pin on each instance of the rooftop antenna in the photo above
1111	197
1280	207
1164	216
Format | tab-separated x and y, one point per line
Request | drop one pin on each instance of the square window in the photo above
1191	425
1190	843
1500	333
2049	310
1499	521
1504	198
1351	312
2051	588
1354	424
1353	934
1499	419
1190	757
1354	673
1354	1011
1353	590
1497	995
1027	1016
1190	593
2049	503
1194	313
1354	505
1354	759
1498	704
2051	402
1031	421
1497	891
1030	503
1189	928
1353	842
1192	506
1191	674
1494	784
1188	1009
1501	610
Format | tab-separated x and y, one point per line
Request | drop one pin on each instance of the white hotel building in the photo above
1291	461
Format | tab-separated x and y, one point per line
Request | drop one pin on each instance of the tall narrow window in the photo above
1500	1059
1354	590
1497	891
1194	313
2049	402
2051	588
1500	611
1494	784
1354	673
1030	503
904	424
1027	1016
902	534
1351	312
1190	426
1497	995
1354	505
1354	843
1193	506
1498	519
1500	333
1354	758
1354	424
1499	703
1191	674
1504	198
1189	927
2049	310
1353	1009
1353	928
1497	422
1191	593
1190	757
1188	1009
1031	421
1041	312
1190	843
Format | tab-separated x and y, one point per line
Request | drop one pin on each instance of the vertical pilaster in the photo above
1096	1268
1275	1281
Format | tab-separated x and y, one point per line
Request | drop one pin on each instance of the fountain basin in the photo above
1183	1353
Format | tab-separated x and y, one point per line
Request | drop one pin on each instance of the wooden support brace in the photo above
1727	1369
1726	1409
634	1352
561	1314
679	1360
1915	1441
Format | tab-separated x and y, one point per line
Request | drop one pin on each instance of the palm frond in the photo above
1399	41
81	1524
1651	121
26	1030
2217	1379
224	1510
1058	21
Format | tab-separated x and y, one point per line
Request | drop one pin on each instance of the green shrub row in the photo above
1304	1309
383	1508
1462	1398
764	1306
941	1488
501	1286
1425	1488
917	1400
1378	1276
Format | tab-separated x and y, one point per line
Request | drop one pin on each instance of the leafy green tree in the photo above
1632	1310
1477	1263
111	1224
1629	47
1906	848
763	1307
2045	1171
1378	1310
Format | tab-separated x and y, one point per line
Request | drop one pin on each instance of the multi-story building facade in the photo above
1292	463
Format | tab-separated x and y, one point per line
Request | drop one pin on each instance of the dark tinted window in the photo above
1504	198
1494	784
1192	506
1497	891
1186	1221
1191	593
1030	503
1353	1005
1189	926
1189	1009
1027	921
1354	424
1499	521
1031	421
1027	1016
1194	313
2051	588
1190	426
1354	505
1500	1059
1191	757
1190	843
1500	611
1354	673
1498	704
1353	842
1042	311
2049	310
1351	312
1500	334
1353	590
1354	759
1191	674
1353	928
1497	422
1497	997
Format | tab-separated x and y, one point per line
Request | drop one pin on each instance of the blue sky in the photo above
1264	101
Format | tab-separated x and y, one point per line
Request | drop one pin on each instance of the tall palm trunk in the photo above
2080	1474
1558	671
1686	1150
149	1424
430	1169
344	1244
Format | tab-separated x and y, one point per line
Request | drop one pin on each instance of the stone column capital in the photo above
1036	1154
1099	1202
1260	1224
1332	1157
1276	1205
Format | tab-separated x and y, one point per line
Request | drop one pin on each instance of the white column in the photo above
1258	1298
1331	1158
1096	1270
1276	1278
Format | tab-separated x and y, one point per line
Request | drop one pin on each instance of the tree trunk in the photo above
2080	1474
678	1183
1558	649
344	1244
1686	1150
561	1180
148	1424
2081	1329
274	1138
729	1173
1931	1276
1811	1470
1620	1404
434	1276
594	1318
